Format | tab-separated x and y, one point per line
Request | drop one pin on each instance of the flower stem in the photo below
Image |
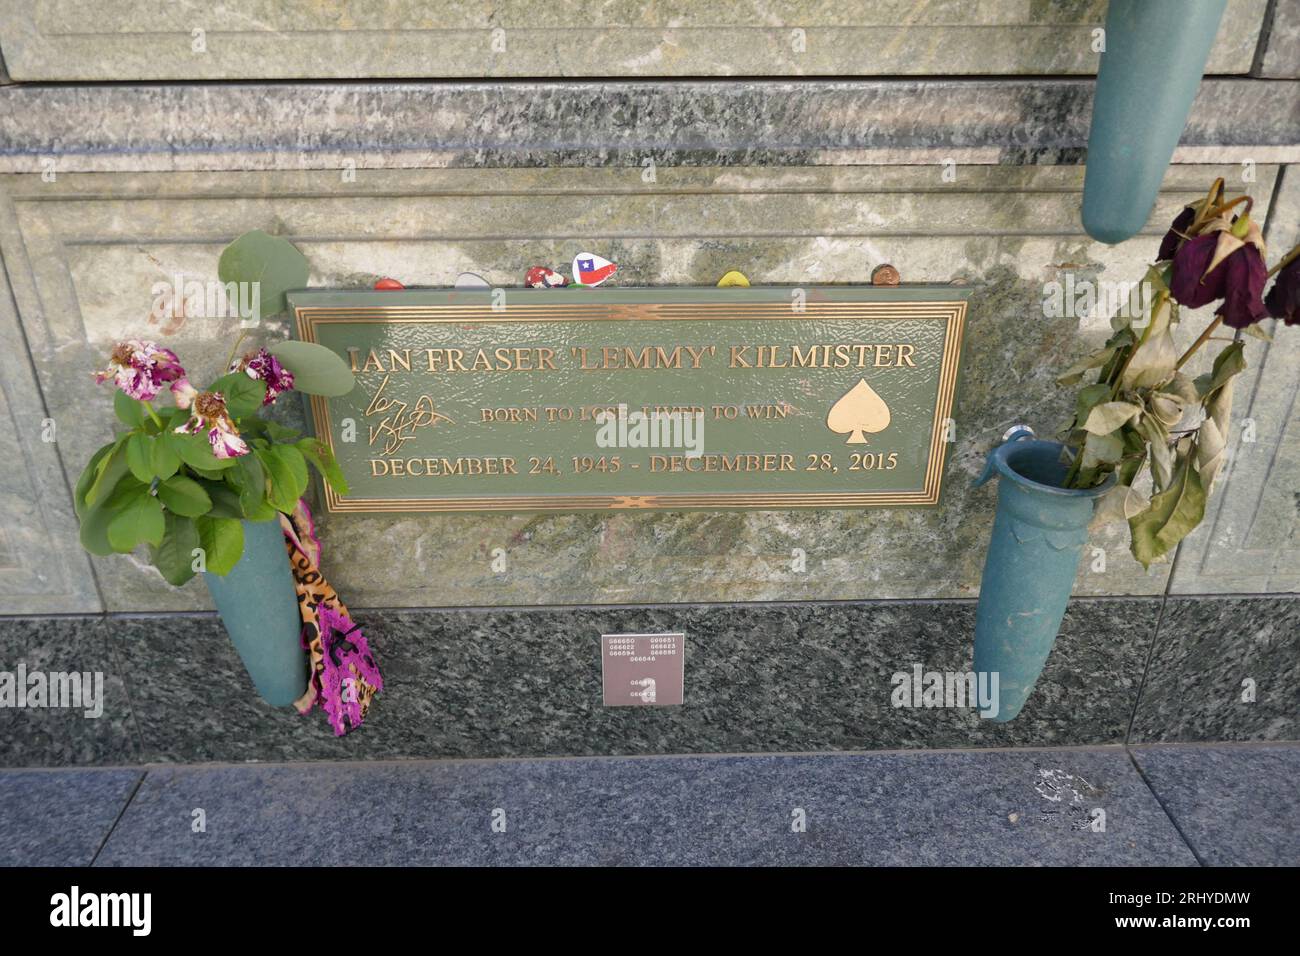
233	349
1204	337
154	415
1283	262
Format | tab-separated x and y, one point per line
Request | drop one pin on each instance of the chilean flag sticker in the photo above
591	269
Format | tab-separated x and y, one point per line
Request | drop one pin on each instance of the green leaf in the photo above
1162	456
319	454
1109	416
185	496
139	455
243	395
88	476
174	556
1089	396
225	501
1074	374
107	473
222	541
288	472
252	484
1229	363
196	452
316	369
95	518
140	521
1102	450
1172	515
271	262
165	461
128	410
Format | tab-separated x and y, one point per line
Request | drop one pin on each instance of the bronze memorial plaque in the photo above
595	399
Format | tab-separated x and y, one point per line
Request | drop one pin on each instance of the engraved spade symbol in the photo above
859	410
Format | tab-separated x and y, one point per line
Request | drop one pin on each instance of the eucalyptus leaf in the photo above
316	369
273	263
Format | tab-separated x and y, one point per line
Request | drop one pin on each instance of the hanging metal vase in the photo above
1155	55
1038	535
259	606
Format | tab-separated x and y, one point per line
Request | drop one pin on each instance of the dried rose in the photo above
1176	234
1283	300
141	369
209	411
265	367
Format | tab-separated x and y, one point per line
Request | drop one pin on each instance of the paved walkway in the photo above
1231	804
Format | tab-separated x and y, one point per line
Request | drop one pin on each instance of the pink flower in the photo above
209	411
141	369
183	393
264	367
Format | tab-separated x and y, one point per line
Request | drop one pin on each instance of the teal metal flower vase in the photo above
259	606
1038	535
1155	55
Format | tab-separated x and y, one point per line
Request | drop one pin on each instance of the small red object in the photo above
387	284
540	277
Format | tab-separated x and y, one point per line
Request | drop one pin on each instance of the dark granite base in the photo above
987	809
1205	650
47	736
1236	806
760	678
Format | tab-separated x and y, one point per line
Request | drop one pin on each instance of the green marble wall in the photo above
83	252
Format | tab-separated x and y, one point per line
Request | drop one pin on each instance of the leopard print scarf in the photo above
344	675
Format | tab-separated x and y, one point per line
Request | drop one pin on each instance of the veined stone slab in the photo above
355	127
43	569
136	40
85	252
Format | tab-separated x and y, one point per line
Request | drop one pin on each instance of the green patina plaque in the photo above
594	399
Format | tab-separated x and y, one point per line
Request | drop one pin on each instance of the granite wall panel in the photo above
86	250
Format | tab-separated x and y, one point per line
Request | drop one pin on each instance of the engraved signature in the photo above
400	425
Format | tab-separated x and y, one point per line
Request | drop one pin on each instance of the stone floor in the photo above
1232	804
